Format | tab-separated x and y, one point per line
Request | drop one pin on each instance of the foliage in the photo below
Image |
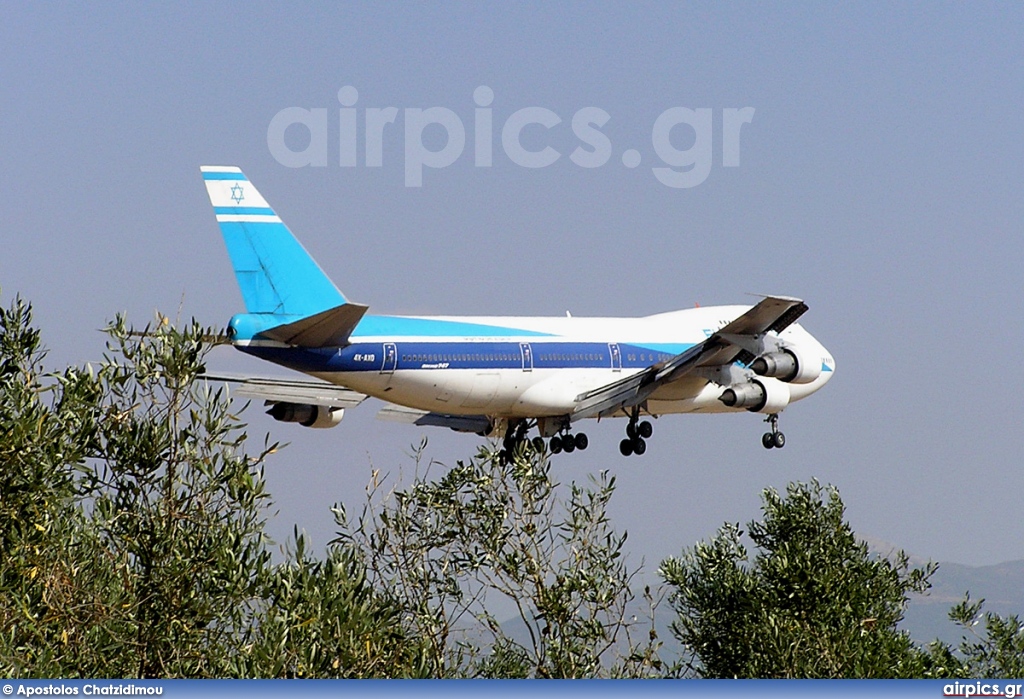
998	652
132	525
322	619
812	603
178	504
133	518
132	545
54	588
495	528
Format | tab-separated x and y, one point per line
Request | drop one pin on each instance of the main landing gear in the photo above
515	437
636	433
568	443
773	439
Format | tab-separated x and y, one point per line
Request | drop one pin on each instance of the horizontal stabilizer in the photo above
290	391
329	328
477	424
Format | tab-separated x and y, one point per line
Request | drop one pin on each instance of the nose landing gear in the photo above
773	439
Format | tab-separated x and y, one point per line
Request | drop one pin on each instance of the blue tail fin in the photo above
275	273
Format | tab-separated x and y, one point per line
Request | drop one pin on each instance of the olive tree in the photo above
495	531
992	645
813	601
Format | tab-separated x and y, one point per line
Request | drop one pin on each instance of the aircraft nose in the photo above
828	364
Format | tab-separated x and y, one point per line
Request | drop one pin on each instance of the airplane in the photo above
497	376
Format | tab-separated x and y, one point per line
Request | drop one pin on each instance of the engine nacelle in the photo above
787	366
316	416
757	396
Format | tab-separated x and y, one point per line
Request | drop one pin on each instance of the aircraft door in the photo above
390	358
616	355
527	352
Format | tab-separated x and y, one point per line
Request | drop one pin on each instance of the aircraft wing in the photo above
291	391
737	341
460	423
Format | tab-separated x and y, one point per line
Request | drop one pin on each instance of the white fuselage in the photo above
528	367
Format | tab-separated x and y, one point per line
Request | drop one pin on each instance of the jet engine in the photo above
757	396
316	416
788	366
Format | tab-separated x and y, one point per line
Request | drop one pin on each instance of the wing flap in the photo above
291	391
772	313
604	401
478	424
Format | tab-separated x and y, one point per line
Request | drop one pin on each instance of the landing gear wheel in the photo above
631	430
538	444
568	444
773	439
626	447
645	429
581	441
639	446
556	445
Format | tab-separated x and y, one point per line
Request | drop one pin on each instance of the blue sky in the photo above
880	179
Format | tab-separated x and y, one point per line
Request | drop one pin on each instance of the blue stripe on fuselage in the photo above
246	327
398	326
482	356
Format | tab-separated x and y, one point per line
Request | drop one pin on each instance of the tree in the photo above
494	529
998	652
812	603
178	503
323	619
132	516
55	587
132	530
132	544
